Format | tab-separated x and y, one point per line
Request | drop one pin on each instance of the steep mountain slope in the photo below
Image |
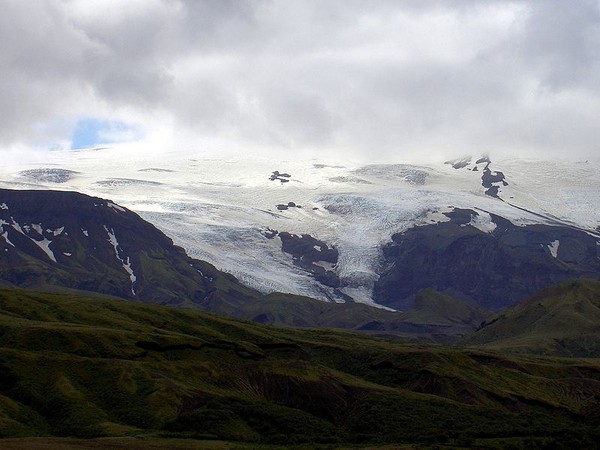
483	259
76	366
53	239
562	320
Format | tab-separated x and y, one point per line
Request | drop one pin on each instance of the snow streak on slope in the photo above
126	263
217	209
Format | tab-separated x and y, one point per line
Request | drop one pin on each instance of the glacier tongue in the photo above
215	208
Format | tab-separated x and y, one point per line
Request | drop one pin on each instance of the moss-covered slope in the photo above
75	366
563	320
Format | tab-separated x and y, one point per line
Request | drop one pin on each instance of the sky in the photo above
385	80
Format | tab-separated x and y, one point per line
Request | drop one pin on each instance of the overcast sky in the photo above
367	78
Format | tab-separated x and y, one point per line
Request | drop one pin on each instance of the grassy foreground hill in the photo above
436	317
92	367
563	320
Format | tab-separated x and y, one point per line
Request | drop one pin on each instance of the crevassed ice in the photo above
215	207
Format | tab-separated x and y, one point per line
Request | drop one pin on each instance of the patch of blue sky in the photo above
91	132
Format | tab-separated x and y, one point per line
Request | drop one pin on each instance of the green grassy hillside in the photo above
93	367
436	317
563	320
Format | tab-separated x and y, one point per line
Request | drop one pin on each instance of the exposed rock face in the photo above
492	181
282	177
69	240
282	207
312	255
493	263
316	257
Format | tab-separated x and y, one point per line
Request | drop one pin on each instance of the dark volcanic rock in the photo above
491	180
492	270
282	177
490	177
492	191
269	233
312	255
282	207
53	240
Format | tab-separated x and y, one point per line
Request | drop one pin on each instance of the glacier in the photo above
218	208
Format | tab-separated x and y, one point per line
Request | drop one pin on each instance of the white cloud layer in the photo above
385	80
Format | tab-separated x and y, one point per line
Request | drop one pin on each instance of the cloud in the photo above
383	80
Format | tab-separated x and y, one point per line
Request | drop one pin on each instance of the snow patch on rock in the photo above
553	247
483	222
5	236
56	232
16	226
129	270
45	246
112	238
38	228
432	217
330	267
117	207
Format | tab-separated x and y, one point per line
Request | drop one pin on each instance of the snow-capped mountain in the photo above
319	229
57	240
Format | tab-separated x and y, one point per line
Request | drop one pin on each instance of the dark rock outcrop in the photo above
282	177
57	240
490	269
315	256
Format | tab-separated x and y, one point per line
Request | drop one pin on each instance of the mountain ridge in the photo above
67	239
92	244
217	208
562	320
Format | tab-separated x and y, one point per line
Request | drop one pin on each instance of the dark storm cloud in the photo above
383	79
